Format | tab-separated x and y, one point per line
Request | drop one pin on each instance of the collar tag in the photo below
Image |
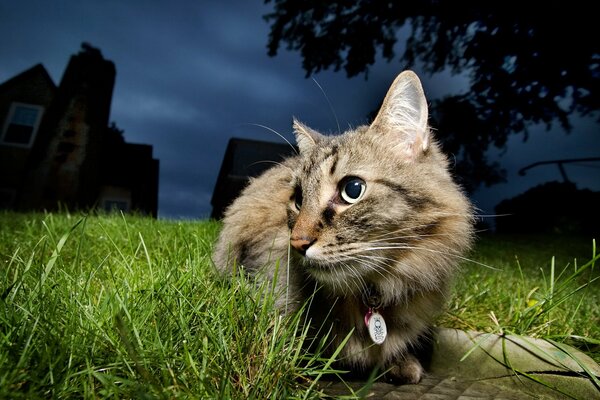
376	325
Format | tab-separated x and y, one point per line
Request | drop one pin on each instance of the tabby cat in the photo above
372	218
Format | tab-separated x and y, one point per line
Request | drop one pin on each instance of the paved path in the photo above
432	388
496	367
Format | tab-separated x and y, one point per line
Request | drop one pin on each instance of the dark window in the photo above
22	124
116	205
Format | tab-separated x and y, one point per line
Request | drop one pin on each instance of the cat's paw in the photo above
407	370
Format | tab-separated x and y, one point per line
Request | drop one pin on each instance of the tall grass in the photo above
129	307
100	307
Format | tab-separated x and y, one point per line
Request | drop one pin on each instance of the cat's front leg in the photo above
406	369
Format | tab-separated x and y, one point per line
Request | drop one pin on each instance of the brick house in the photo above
58	150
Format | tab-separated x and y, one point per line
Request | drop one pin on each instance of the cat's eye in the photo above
352	189
298	197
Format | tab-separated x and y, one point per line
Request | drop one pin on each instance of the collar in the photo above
371	297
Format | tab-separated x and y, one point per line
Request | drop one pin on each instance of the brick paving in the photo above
431	388
488	373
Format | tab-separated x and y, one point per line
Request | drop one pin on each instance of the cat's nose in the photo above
302	243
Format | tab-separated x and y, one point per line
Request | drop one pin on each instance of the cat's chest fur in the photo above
374	210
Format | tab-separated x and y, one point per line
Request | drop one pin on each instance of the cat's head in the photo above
377	201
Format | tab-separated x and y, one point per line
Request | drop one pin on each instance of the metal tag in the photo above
377	328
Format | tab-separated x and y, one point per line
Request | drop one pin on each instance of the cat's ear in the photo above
403	116
306	138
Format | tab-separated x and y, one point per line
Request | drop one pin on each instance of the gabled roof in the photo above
37	70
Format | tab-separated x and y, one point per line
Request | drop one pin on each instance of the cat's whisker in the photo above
406	270
353	273
358	280
413	236
402	239
337	122
367	260
402	244
451	254
276	133
348	259
381	261
491	215
271	162
413	228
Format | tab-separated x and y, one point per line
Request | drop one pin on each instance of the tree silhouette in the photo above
525	66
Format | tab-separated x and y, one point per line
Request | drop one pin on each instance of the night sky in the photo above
193	74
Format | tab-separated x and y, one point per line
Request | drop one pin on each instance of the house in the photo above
57	149
244	158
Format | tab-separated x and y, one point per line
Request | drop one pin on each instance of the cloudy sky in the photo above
193	74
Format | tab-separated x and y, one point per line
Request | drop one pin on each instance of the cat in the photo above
372	218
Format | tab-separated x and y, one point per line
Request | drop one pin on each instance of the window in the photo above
21	125
116	205
115	198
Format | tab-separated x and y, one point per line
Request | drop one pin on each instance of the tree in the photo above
525	67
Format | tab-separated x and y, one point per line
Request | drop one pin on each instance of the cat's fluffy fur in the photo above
401	241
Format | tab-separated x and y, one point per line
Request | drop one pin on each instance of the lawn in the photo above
130	307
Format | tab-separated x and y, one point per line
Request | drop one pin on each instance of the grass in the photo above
545	286
129	307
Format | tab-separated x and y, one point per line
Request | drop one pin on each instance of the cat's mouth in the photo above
311	261
326	270
317	263
339	279
323	272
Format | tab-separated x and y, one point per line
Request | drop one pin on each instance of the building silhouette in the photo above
244	159
57	149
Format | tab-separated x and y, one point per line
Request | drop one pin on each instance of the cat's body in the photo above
374	221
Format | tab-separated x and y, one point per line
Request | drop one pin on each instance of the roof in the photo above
27	75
